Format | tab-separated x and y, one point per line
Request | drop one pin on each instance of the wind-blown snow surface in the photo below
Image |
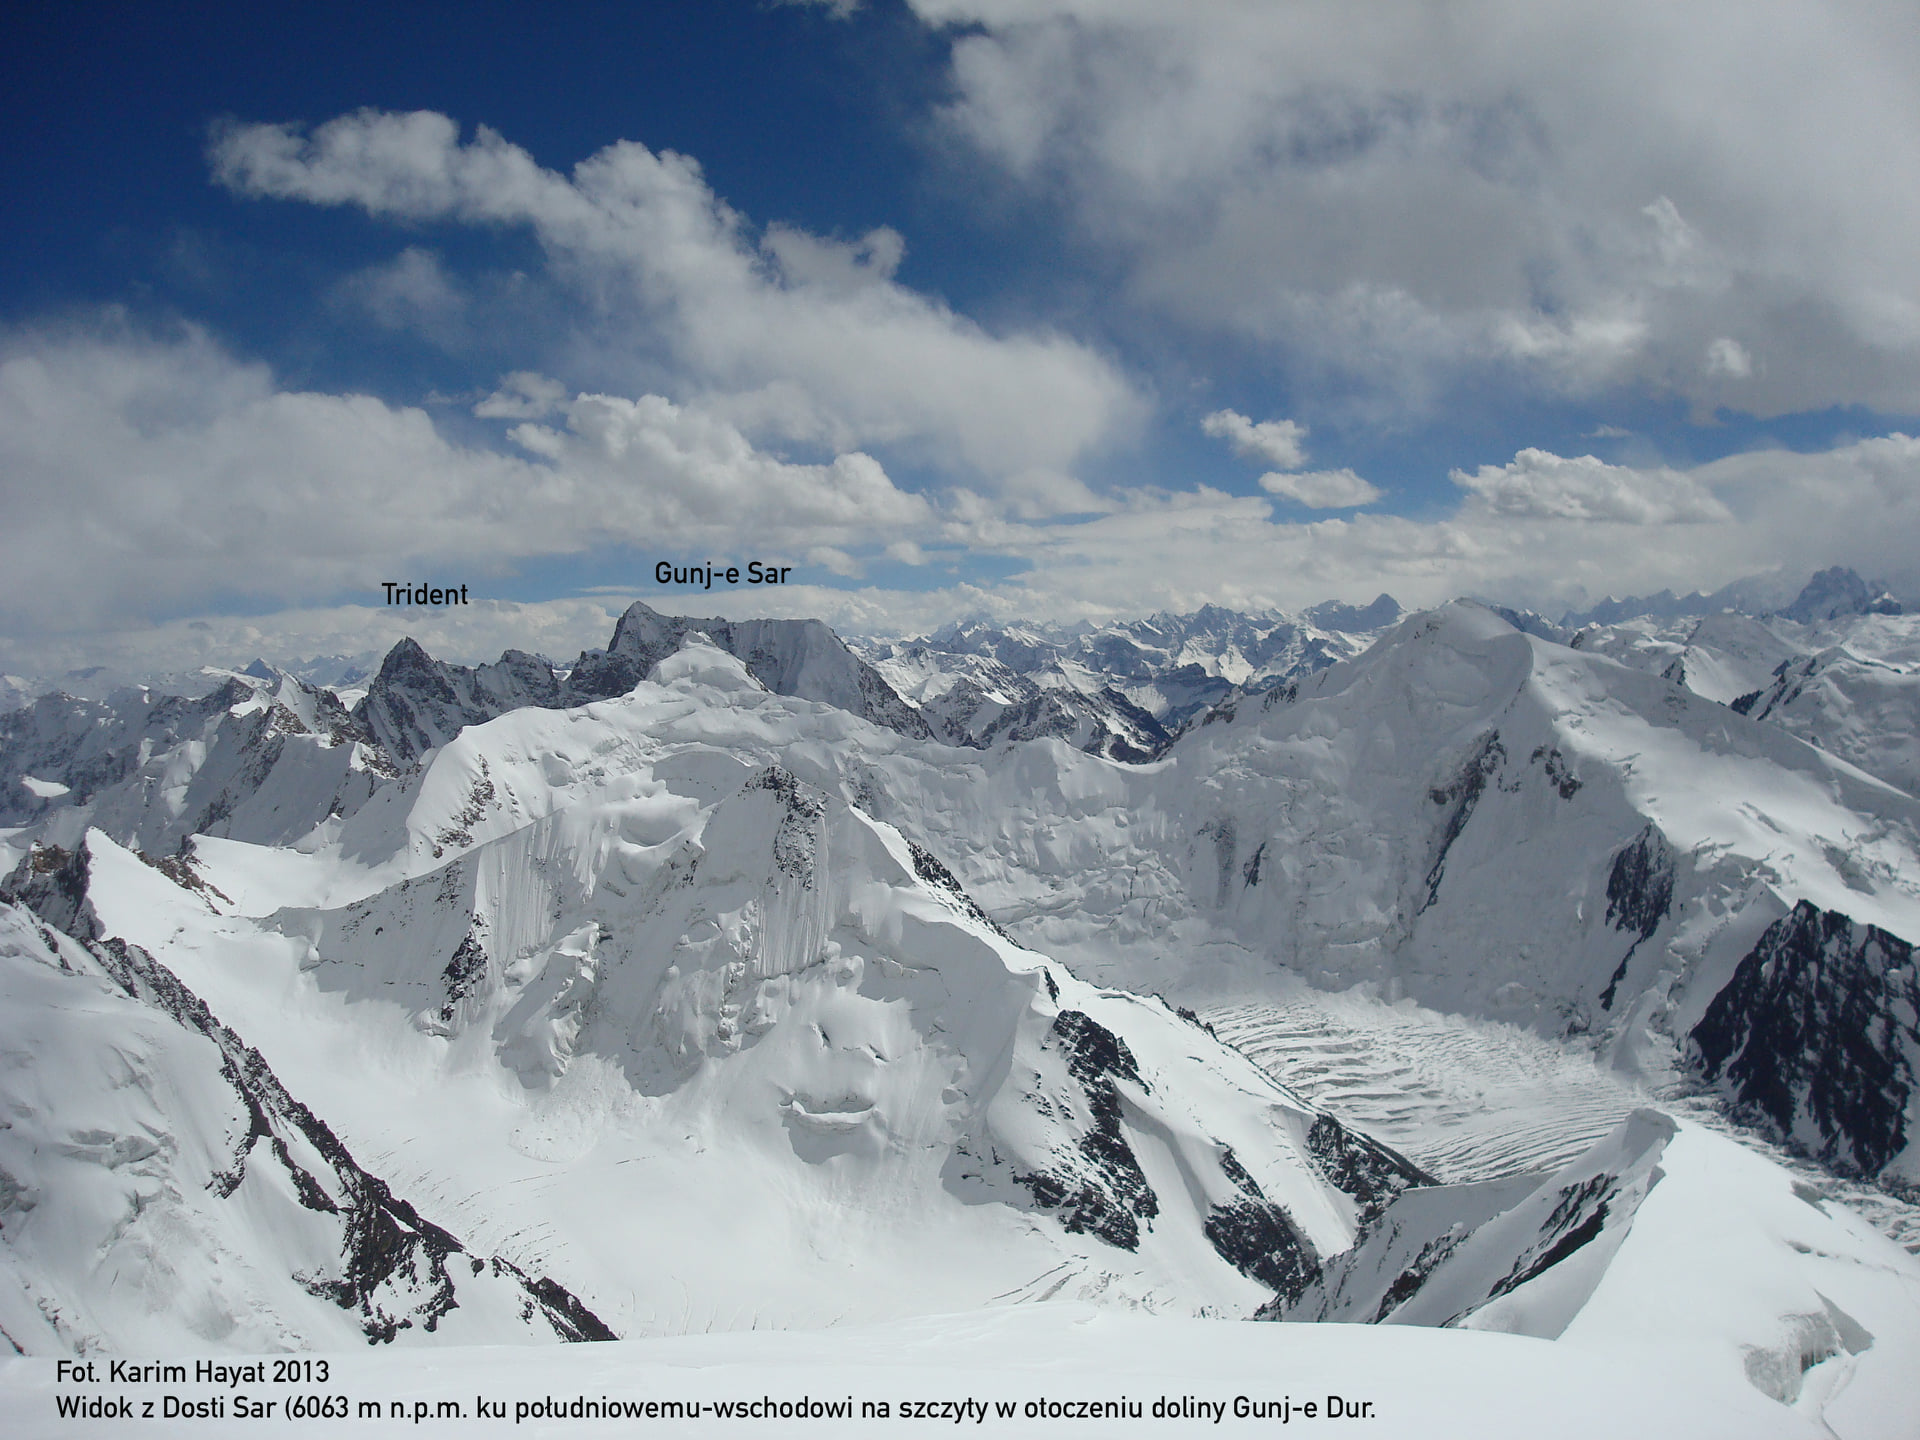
695	1015
1663	1233
161	1192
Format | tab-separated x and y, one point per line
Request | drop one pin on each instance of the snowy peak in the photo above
1838	591
1514	1255
416	703
803	658
1661	1233
1121	690
260	760
1864	710
1378	615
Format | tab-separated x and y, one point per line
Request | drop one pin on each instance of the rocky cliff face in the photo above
1814	1039
417	703
803	658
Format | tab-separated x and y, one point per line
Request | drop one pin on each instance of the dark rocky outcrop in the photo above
1459	796
1639	896
802	658
1362	1167
417	703
396	1269
1836	592
1814	1039
1100	1190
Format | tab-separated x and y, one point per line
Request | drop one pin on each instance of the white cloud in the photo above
1321	489
839	9
1411	194
852	355
141	475
1538	544
412	291
1730	358
905	552
1280	443
1539	483
1855	505
523	395
835	561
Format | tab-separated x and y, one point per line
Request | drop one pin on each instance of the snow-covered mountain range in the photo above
736	977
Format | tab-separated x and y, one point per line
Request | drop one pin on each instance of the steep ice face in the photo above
162	1193
778	971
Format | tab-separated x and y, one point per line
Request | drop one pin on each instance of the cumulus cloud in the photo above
651	467
1573	196
817	327
523	395
1856	505
1539	483
1321	489
412	291
146	476
1281	443
143	474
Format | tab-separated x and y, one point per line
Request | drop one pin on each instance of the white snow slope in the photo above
671	1001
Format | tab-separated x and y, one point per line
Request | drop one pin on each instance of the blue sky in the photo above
1053	308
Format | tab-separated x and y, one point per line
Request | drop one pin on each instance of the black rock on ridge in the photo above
395	1269
1815	1039
417	703
802	658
